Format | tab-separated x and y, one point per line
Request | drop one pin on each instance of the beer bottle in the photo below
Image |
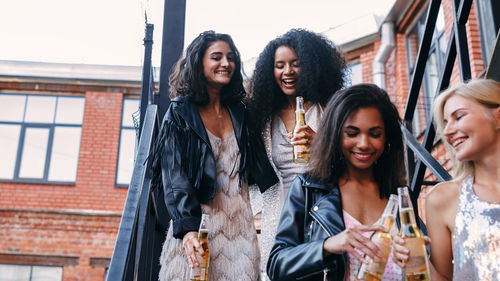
300	152
372	270
417	266
201	273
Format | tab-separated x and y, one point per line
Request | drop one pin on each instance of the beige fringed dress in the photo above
232	239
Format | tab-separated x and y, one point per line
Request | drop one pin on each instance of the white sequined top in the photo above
476	241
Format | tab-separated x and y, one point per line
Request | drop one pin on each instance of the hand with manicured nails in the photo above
352	240
192	247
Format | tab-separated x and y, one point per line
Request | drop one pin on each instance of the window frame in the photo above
50	141
487	29
122	128
31	267
354	62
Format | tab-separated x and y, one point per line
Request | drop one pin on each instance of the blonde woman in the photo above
463	215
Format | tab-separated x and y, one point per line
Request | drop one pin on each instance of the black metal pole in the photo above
146	88
172	44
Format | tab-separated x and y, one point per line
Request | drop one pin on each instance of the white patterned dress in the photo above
232	239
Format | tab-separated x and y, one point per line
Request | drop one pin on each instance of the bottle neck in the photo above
388	222
407	216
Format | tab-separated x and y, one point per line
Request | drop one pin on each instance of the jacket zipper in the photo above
318	220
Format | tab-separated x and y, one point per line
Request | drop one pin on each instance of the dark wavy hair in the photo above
327	162
322	73
187	78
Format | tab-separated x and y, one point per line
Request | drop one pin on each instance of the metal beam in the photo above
428	142
493	71
461	9
423	53
172	45
425	156
147	87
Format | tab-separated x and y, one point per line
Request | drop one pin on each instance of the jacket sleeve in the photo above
291	257
180	196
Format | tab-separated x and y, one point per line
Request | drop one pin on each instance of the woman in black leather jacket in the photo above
356	163
208	158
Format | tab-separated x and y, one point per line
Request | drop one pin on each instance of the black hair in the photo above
328	163
188	79
322	73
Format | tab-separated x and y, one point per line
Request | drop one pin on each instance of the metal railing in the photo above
143	223
145	219
418	155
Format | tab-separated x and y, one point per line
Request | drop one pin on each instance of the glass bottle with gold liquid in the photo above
201	273
372	270
417	266
301	151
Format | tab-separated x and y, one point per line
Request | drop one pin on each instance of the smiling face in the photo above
363	138
218	64
286	69
470	128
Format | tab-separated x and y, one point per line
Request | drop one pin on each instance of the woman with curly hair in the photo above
298	63
207	161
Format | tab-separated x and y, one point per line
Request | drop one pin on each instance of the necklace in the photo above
219	116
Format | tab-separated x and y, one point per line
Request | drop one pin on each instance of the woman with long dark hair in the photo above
356	164
207	161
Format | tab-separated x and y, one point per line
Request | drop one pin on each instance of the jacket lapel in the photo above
190	114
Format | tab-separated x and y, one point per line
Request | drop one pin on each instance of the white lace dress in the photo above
232	239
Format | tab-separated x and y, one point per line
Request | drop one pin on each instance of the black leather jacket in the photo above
311	214
188	164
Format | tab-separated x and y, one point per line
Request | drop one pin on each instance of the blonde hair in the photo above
483	91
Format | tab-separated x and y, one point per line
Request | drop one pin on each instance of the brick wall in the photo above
81	244
73	226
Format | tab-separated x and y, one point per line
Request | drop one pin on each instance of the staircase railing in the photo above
418	154
142	227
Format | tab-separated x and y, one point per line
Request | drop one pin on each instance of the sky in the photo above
111	32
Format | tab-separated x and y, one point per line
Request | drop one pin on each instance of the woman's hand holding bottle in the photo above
354	242
191	246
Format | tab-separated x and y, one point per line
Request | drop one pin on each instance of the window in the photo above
14	272
126	151
40	137
485	15
356	72
433	68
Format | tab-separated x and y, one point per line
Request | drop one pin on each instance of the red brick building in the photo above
67	139
77	120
